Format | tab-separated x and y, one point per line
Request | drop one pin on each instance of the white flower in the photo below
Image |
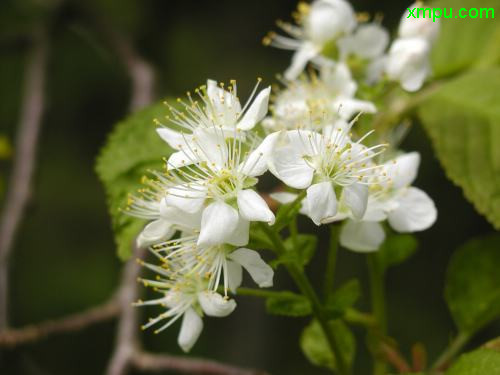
215	110
411	27
218	264
317	100
408	62
217	179
327	164
369	41
407	208
184	296
323	22
165	220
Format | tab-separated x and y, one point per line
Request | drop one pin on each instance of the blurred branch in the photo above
24	160
153	362
71	323
127	342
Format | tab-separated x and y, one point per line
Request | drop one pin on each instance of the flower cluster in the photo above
202	205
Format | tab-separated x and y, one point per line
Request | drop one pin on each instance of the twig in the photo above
71	323
187	365
395	358
126	340
24	160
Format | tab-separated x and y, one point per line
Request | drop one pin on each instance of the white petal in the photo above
283	197
253	207
291	168
174	138
369	41
259	270
155	231
181	159
300	59
416	211
356	198
402	171
213	304
179	217
257	162
234	275
348	107
241	234
218	222
191	328
321	202
256	111
189	198
362	236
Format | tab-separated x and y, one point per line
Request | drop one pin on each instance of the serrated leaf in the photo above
342	298
299	251
131	150
288	304
478	362
463	41
463	121
473	283
315	347
396	249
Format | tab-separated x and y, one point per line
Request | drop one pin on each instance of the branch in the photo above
24	160
126	339
184	365
71	323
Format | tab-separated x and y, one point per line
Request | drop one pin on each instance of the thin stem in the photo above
258	292
354	316
378	304
451	351
331	261
285	213
307	289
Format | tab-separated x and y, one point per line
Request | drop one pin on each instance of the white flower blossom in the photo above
216	109
327	165
217	178
406	208
323	22
369	41
411	27
317	100
408	62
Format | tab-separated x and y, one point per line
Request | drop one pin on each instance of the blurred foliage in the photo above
316	349
473	283
478	362
463	121
132	149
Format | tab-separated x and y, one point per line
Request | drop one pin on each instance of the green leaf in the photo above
299	252
288	304
478	362
396	249
473	283
342	298
463	41
463	121
131	150
315	347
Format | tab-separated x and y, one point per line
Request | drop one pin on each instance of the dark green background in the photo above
64	258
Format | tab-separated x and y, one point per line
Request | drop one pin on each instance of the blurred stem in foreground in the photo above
376	275
331	261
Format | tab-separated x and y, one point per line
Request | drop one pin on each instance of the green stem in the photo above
285	213
258	292
307	290
331	261
378	305
451	351
354	316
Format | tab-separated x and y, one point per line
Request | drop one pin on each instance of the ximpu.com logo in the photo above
436	13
